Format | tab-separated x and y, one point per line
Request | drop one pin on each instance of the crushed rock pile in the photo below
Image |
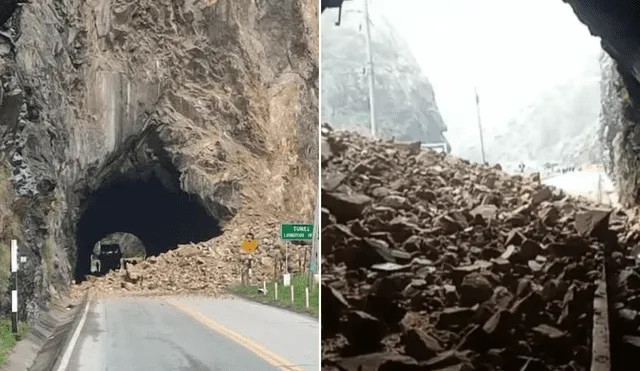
432	263
206	268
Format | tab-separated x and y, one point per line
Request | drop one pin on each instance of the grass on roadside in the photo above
298	281
7	340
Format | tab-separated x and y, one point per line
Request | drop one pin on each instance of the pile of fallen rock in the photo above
207	268
430	262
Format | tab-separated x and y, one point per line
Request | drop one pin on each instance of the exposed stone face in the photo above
619	130
612	121
616	23
220	95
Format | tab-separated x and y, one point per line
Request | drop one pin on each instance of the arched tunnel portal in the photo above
159	214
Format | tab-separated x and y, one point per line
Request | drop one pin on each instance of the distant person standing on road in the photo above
521	166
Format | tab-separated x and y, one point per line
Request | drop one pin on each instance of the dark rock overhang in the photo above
617	23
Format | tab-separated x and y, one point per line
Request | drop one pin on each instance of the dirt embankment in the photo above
432	263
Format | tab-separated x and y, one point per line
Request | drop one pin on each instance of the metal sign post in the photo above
286	257
313	261
249	245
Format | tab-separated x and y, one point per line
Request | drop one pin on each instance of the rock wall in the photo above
616	23
619	131
224	91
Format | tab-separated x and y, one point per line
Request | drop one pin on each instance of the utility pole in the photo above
484	160
599	188
372	101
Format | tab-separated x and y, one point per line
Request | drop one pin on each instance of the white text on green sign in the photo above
292	232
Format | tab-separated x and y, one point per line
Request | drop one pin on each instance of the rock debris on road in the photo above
433	263
206	268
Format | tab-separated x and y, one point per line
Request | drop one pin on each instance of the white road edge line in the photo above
66	357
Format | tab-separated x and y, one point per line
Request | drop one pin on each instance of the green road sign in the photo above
296	232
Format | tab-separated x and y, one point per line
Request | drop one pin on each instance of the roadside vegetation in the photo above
5	267
298	281
7	340
11	209
9	226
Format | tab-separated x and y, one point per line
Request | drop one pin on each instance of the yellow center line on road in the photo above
262	352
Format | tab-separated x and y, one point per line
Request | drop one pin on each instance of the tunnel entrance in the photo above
148	204
128	250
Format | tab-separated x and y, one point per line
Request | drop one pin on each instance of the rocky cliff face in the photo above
616	24
174	121
619	131
405	101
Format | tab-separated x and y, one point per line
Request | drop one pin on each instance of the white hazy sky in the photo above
510	49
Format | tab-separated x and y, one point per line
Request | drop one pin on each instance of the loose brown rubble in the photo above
206	268
433	263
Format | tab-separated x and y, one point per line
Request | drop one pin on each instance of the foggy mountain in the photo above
559	125
405	101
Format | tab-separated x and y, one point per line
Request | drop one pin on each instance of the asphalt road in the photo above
191	334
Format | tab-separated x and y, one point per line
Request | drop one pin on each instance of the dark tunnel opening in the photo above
160	216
